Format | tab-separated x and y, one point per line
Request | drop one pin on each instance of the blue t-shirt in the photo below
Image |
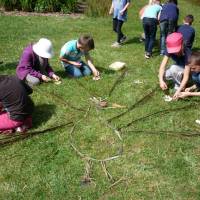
169	11
71	52
180	60
118	6
152	11
188	34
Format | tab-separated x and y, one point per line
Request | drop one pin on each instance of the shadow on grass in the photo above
135	40
62	74
105	70
6	66
196	49
42	114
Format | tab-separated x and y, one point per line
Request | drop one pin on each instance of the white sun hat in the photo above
43	48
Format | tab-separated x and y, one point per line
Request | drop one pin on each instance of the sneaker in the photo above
162	53
21	129
142	39
147	55
123	39
116	45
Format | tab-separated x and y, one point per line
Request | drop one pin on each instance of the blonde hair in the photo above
150	2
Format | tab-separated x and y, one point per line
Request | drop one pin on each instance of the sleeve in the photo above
26	65
192	38
65	51
50	71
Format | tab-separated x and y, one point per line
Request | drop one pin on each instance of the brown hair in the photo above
189	19
194	58
86	41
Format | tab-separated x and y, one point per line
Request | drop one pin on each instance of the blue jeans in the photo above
77	72
150	28
166	27
117	27
196	78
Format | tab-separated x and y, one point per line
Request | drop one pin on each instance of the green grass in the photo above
154	164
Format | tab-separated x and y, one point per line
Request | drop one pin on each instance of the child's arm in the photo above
111	9
183	82
90	64
77	64
125	8
188	94
163	85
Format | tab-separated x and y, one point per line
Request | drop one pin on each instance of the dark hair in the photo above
86	41
173	1
189	19
194	58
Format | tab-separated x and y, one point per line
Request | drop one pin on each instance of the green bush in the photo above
9	4
40	5
98	8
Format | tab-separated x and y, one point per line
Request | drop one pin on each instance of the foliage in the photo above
98	8
40	5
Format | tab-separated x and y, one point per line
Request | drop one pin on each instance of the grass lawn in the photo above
155	157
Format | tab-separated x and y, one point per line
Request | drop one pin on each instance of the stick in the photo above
16	138
117	182
186	133
163	112
108	175
59	99
117	82
134	105
93	94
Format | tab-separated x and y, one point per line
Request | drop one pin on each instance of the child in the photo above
187	31
34	64
193	69
150	20
70	57
16	105
168	22
180	55
119	10
141	13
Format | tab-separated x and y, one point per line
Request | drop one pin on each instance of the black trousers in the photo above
117	27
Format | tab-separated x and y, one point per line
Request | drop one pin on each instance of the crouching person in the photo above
16	106
34	63
70	57
180	55
191	72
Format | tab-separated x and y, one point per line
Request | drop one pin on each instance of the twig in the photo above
84	155
27	135
93	94
186	133
59	99
115	130
147	96
117	182
87	175
162	112
108	175
117	82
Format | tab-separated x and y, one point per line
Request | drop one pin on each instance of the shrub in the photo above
98	8
40	5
